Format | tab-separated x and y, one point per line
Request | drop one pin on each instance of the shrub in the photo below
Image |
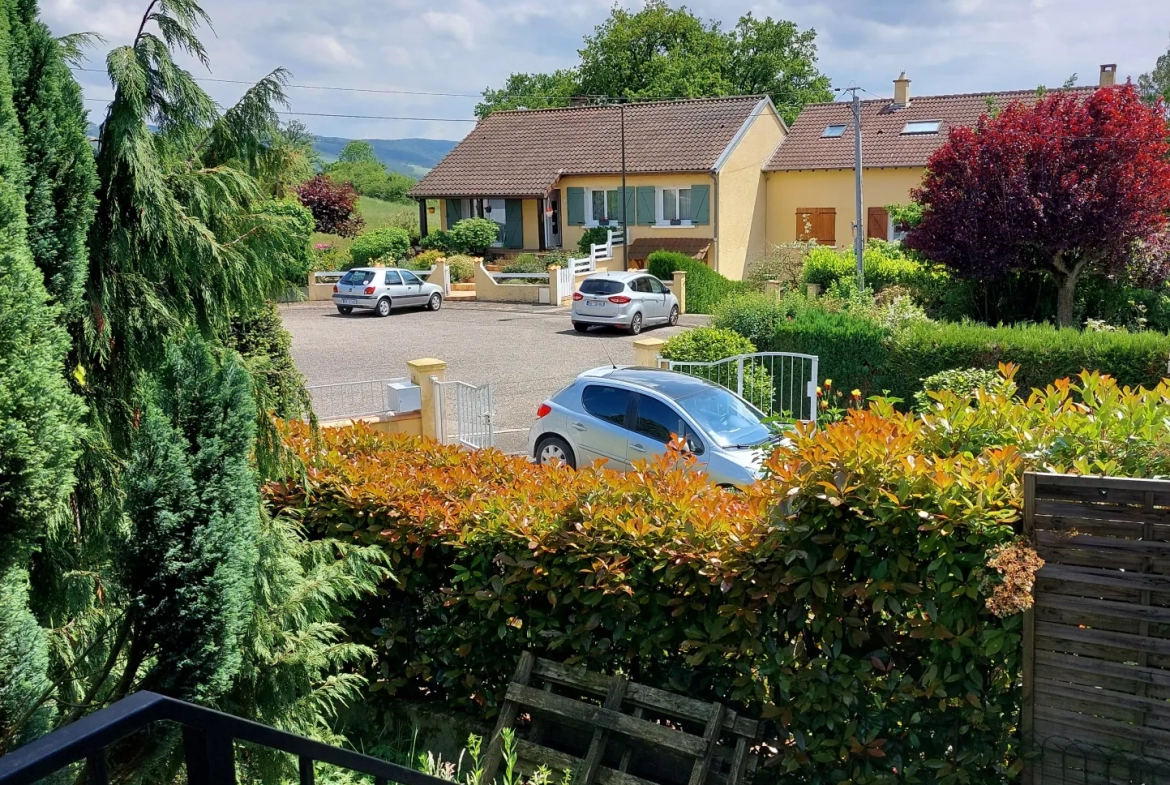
709	344
781	263
333	206
438	240
474	235
961	381
297	260
705	287
595	235
462	268
886	264
845	598
426	260
390	243
526	263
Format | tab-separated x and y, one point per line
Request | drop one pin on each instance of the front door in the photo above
601	434
655	423
552	220
413	286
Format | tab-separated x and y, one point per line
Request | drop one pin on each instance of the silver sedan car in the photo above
621	415
630	300
379	289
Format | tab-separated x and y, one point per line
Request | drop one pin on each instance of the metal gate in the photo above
351	399
779	384
463	414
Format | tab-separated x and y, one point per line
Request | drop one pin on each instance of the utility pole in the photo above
625	222
858	226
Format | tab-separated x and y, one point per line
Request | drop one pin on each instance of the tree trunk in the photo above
1066	299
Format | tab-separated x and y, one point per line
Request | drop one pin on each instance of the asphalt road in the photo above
527	353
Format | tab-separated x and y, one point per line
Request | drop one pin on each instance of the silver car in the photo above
621	415
379	289
630	300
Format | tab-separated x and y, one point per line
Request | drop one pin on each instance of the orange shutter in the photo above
817	223
879	224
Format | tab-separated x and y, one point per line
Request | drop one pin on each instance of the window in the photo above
674	206
833	131
392	278
725	418
358	277
817	223
641	285
496	210
922	127
656	286
658	421
606	403
601	286
604	207
409	278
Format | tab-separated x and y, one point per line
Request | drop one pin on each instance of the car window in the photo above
409	277
358	277
392	278
727	419
606	403
656	286
639	285
601	286
658	420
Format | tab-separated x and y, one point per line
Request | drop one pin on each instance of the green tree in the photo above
357	151
1156	83
291	160
777	59
531	91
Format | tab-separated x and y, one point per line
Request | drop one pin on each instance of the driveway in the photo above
527	353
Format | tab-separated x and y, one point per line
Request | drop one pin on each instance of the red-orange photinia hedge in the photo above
851	598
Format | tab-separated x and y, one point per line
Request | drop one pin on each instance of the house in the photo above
810	177
694	177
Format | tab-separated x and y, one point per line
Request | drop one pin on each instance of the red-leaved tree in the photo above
1066	184
333	204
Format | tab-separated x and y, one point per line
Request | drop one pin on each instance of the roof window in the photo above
922	127
833	131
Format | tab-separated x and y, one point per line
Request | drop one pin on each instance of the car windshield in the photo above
728	420
601	286
358	277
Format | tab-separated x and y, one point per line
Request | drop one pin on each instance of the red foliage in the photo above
1063	184
333	205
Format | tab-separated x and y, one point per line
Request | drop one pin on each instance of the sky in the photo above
460	47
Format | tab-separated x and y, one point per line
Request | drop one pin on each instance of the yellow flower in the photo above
856	393
828	383
824	404
819	393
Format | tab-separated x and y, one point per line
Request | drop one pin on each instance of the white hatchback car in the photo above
630	300
381	288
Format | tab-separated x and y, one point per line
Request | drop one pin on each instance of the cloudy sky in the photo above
459	47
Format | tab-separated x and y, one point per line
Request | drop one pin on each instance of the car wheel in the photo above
436	302
383	307
636	323
673	320
346	310
581	328
554	449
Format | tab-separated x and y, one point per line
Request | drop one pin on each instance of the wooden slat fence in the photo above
1096	707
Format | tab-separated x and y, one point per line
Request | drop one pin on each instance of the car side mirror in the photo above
694	445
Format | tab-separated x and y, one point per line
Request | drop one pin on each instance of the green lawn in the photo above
378	214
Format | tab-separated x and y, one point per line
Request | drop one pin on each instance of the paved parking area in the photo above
527	353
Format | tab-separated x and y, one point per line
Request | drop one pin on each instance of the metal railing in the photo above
209	739
779	384
351	399
468	408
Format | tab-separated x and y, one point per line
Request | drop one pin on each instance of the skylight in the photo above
833	131
922	127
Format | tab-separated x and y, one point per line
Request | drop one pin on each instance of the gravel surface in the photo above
527	353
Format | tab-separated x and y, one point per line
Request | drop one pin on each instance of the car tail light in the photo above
370	290
578	297
544	409
335	288
619	299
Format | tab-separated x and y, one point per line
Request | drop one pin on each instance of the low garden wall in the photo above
488	290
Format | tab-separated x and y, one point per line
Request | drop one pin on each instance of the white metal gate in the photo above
351	399
463	414
780	384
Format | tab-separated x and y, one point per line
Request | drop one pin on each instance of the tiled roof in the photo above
883	143
524	153
695	247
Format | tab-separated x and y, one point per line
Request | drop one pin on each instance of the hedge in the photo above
388	243
705	287
850	598
886	265
710	344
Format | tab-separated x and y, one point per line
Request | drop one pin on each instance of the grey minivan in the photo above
379	289
630	300
621	415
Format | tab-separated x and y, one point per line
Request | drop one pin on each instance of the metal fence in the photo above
463	414
351	399
779	384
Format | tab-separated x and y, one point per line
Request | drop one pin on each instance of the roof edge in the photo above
765	102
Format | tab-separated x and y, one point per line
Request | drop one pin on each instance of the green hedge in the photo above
886	265
389	244
709	344
705	287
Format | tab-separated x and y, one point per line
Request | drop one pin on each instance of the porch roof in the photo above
524	153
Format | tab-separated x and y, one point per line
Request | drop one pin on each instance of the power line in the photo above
348	116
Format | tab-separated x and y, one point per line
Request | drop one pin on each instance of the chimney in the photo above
580	100
901	91
1108	75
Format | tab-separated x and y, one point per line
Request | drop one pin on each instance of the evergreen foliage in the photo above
389	244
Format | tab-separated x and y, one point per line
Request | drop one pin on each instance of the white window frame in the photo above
498	214
590	222
893	235
907	132
659	197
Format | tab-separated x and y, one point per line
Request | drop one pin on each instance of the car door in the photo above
661	297
640	287
414	288
399	295
655	423
599	430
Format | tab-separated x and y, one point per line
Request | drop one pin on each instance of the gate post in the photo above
646	352
425	373
680	289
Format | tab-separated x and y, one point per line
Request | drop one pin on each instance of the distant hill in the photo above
414	157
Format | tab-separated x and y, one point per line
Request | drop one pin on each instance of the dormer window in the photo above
922	127
833	131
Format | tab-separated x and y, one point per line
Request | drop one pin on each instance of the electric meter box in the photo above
402	396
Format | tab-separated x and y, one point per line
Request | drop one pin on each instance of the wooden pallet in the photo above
637	735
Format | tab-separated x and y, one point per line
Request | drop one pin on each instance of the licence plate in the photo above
595	303
344	301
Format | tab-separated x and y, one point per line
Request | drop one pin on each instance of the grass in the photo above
378	214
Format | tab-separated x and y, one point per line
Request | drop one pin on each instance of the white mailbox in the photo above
402	396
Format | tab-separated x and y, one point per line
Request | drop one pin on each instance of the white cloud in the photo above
453	25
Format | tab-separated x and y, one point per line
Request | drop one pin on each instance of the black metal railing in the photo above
209	738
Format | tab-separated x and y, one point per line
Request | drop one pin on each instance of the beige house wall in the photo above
742	195
531	213
788	192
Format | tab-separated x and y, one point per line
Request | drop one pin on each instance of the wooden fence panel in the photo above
1097	641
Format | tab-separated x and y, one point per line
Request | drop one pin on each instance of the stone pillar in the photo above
421	372
772	289
646	351
439	276
555	295
680	289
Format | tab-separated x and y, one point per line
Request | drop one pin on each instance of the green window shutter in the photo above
631	206
575	203
647	212
513	223
454	212
701	204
